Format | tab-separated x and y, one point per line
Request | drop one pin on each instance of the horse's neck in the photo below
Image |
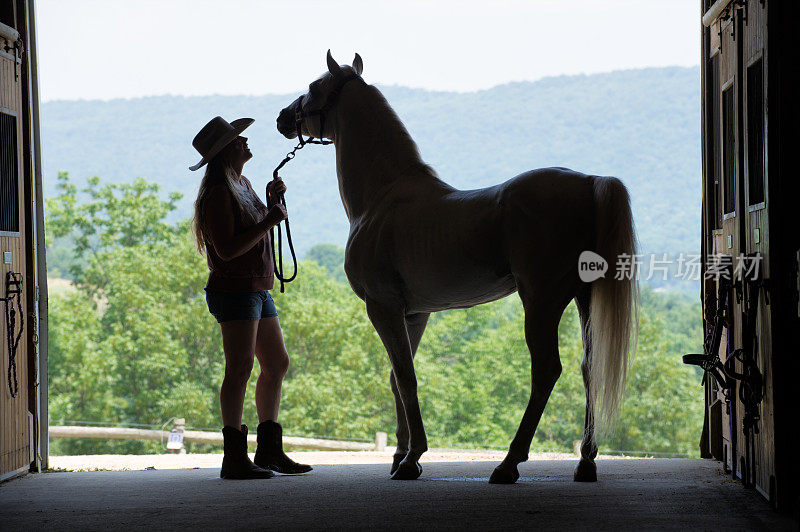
373	149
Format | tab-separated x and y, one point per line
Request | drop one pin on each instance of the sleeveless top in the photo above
252	271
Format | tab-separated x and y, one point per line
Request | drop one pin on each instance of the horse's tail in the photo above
614	313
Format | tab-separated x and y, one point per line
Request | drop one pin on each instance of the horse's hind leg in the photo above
416	326
586	470
541	335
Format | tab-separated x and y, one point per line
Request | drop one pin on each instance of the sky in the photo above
105	49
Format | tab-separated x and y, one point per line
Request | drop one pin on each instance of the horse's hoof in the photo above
585	471
396	462
504	474
407	470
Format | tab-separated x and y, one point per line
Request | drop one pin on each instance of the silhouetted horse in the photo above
418	245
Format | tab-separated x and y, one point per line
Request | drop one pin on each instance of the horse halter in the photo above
301	115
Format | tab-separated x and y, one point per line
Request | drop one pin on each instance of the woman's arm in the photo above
218	216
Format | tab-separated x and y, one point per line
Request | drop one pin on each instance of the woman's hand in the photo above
276	215
276	188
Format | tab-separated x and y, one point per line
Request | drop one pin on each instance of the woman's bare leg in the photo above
238	342
274	362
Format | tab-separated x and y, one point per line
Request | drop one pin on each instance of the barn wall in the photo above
23	421
15	426
749	192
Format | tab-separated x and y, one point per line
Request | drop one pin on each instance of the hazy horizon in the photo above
383	85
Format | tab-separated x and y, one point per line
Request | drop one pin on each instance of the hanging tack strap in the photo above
709	360
13	291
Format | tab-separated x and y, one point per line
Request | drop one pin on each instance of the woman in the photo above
231	224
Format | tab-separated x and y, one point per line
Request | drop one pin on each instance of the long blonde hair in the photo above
219	171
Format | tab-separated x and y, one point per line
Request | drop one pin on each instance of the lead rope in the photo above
300	115
13	291
277	258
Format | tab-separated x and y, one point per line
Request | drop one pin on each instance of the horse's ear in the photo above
358	65
333	66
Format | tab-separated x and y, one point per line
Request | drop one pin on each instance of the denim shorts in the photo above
229	306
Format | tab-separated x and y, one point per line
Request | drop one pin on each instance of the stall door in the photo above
727	241
755	204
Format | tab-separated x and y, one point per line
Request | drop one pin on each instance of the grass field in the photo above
57	286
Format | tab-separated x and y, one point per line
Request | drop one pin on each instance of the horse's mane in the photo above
384	113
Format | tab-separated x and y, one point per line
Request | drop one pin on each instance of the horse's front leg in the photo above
415	324
390	323
401	430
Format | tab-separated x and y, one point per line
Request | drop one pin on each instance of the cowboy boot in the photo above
269	453
235	462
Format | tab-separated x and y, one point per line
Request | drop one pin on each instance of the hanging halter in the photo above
750	380
13	292
710	360
300	115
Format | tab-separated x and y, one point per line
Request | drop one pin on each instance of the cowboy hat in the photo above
215	135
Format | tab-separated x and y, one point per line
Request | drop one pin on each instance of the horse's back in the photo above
544	188
548	217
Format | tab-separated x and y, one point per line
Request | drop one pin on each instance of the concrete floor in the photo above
631	494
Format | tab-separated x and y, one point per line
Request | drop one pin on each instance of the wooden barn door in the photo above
15	433
716	441
727	239
755	205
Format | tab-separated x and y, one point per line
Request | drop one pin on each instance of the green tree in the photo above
330	257
105	218
338	380
136	343
663	409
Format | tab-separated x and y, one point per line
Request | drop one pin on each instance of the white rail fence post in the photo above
380	441
175	441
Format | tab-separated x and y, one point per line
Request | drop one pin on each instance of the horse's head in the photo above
309	114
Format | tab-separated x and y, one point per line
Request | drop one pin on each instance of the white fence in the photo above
213	438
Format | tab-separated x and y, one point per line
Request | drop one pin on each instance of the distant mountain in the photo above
642	126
